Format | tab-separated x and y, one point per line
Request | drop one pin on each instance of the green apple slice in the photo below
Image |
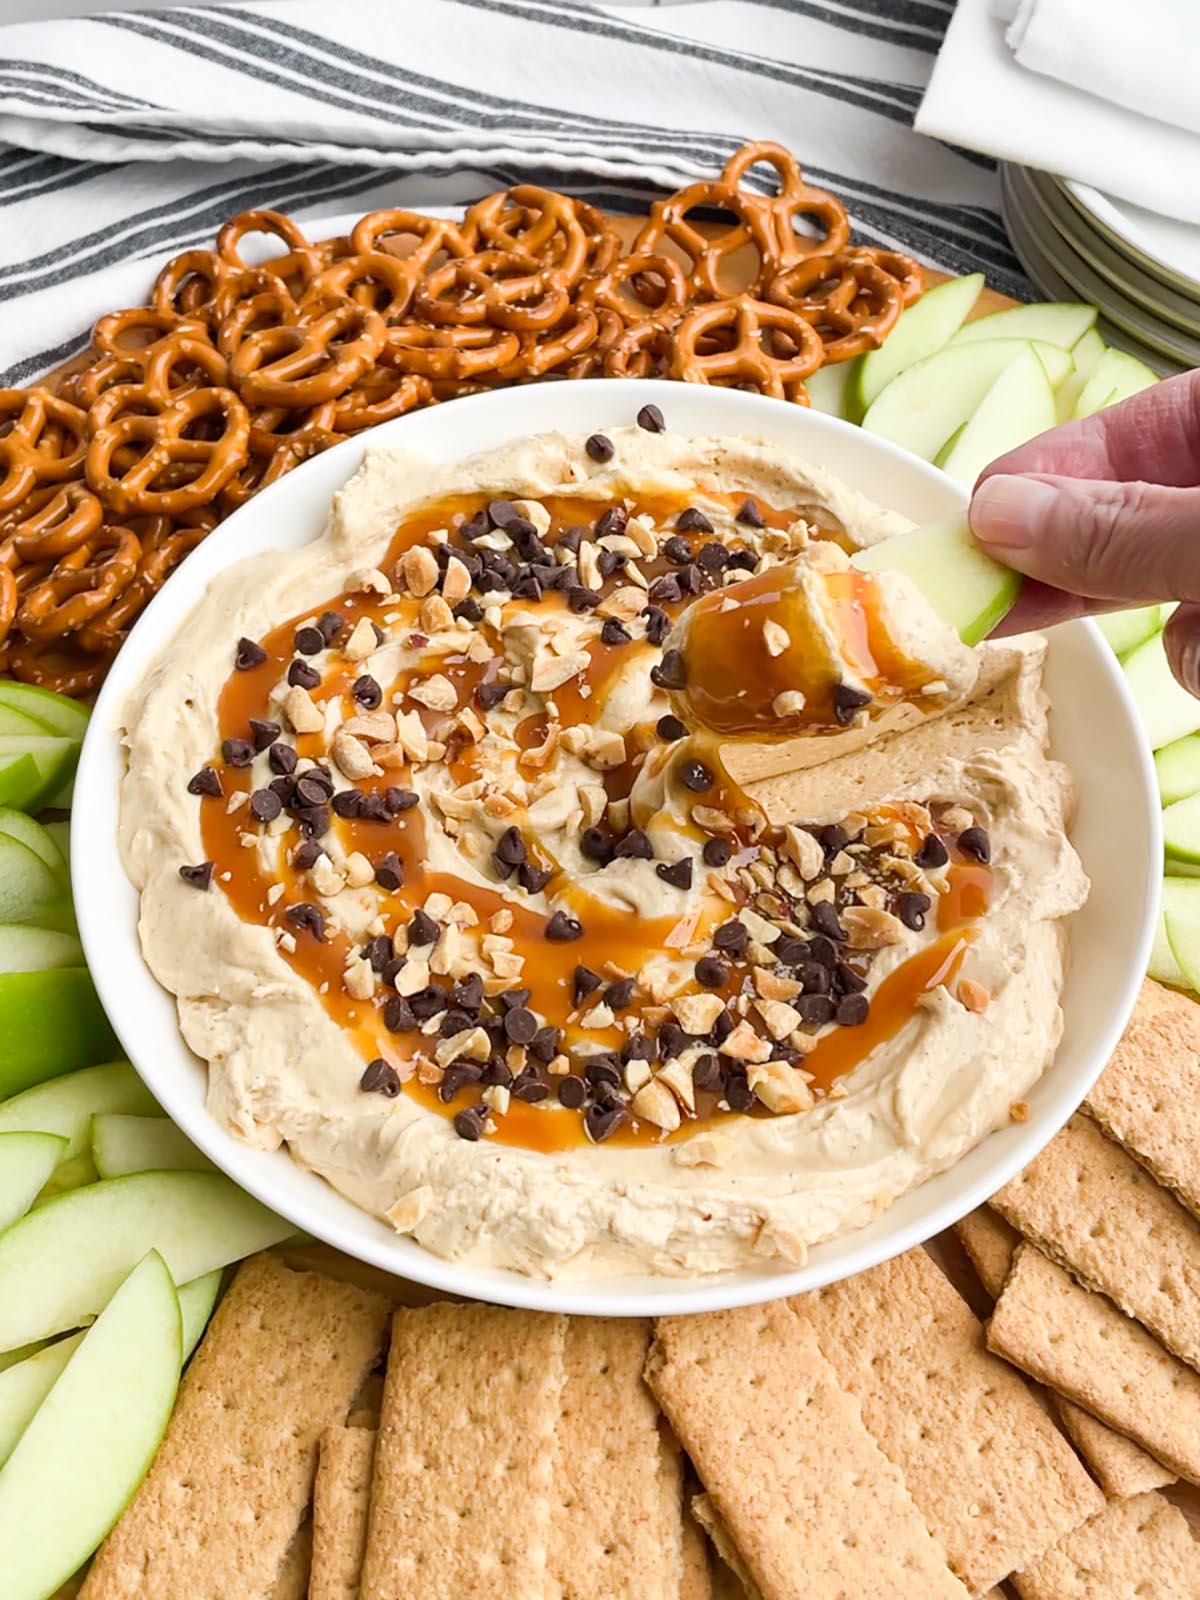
54	711
962	584
1085	354
1060	322
80	1461
60	832
18	725
1116	376
923	407
26	1162
1167	710
124	1144
1018	406
196	1302
1181	907
25	949
51	1022
29	889
20	780
827	388
25	1386
919	331
1125	630
1178	769
67	1105
17	825
60	1264
54	757
1181	830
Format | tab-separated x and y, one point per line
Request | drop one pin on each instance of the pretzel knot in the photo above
827	227
556	231
375	279
639	288
187	286
163	545
300	257
58	667
193	445
541	353
53	522
747	343
707	255
425	242
502	287
309	362
41	441
378	397
851	302
642	351
901	267
83	584
450	354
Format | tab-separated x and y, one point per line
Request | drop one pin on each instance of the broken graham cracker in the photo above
1148	1096
1139	1548
1089	1206
697	1579
1119	1466
736	1576
293	1579
462	1495
1082	1346
617	1510
283	1358
813	1505
341	1504
992	1476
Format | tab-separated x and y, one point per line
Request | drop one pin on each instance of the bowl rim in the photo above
94	858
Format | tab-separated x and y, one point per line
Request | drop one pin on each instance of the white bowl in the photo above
1094	729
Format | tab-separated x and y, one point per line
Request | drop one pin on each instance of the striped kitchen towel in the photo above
131	135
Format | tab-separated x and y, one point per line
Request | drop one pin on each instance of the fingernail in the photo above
1007	512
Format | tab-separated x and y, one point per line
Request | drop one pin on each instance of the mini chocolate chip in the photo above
716	852
974	842
712	557
596	845
823	950
584	982
544	1044
427	1002
677	550
933	852
788	950
282	758
367	692
815	1009
582	599
562	928
608	561
911	908
677	873
263	734
248	655
732	937
307	855
468	1124
638	1048
510	848
455	1020
601	1071
329	625
635	846
301	676
380	1078
846	980
613	520
237	752
496	1073
749	513
614	632
469	610
310	791
852	1011
691	579
378	952
571	1092
669	728
571	538
694	775
398	1015
670	672
206	782
825	920
693	521
742	560
389	872
468	992
706	1072
813	976
265	805
601	1122
198	877
532	878
651	419
307	918
374	808
502	512
620	994
665	590
398	800
600	448
710	972
530	1086
348	803
423	929
739	1093
847	701
309	641
520	1024
313	821
833	838
658	624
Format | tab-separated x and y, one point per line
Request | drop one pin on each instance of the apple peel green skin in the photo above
961	583
81	1459
55	712
51	1022
26	1162
66	1105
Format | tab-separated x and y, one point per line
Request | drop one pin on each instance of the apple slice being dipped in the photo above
961	583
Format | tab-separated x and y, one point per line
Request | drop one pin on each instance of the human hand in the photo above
1105	513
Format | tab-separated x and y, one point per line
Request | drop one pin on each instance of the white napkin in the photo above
1144	56
980	97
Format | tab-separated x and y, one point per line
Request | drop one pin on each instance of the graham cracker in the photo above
283	1359
1141	1547
294	1574
1089	1206
812	1504
697	1579
464	1467
992	1476
617	1512
1119	1466
341	1503
1081	1345
1148	1096
738	1579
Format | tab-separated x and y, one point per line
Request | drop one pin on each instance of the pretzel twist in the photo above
759	344
851	302
163	430
42	442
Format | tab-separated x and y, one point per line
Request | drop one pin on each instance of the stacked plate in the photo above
1140	269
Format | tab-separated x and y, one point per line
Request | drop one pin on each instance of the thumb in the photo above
1109	541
